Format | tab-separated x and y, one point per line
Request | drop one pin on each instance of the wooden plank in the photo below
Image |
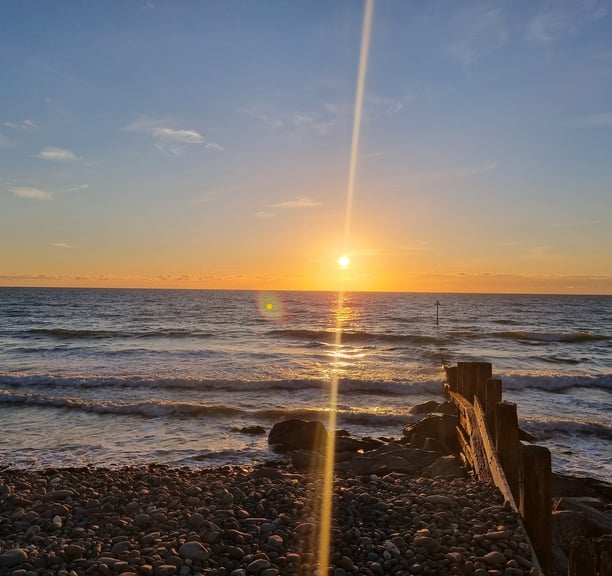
464	443
492	397
497	472
582	560
507	444
536	501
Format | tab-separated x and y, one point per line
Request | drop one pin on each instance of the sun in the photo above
344	261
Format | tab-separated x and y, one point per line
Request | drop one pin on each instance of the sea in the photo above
114	377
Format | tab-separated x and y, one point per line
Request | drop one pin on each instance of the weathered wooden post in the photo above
482	373
536	501
507	444
472	377
451	377
604	556
582	558
492	397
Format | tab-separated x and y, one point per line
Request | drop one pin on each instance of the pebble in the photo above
162	521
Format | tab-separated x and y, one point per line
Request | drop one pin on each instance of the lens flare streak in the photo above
328	468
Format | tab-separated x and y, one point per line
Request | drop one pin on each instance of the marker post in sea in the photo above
438	312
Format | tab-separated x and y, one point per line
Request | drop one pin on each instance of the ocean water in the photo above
115	377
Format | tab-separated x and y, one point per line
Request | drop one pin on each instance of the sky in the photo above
207	145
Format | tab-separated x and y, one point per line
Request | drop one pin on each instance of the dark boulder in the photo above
298	435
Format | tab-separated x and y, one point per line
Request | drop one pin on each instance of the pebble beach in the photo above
233	521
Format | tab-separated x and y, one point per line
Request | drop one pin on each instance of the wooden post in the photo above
507	444
472	378
482	373
604	556
536	501
464	378
582	558
451	377
492	397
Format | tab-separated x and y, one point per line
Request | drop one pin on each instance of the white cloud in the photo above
23	125
60	245
57	155
302	202
170	141
28	192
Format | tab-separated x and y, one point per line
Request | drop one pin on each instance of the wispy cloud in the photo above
542	253
60	245
264	215
23	125
78	188
561	19
457	173
480	29
57	155
423	246
317	124
302	202
169	140
603	120
31	193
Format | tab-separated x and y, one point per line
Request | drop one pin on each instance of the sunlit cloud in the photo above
302	202
60	245
170	141
423	246
541	253
31	193
57	155
263	215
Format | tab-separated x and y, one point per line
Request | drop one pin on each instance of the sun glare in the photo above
344	261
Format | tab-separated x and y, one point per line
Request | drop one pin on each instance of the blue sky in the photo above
206	144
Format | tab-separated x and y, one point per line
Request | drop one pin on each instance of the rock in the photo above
74	551
194	551
440	500
439	426
495	559
307	460
345	444
13	557
434	445
252	430
427	542
165	570
298	435
599	523
444	467
566	525
256	566
424	407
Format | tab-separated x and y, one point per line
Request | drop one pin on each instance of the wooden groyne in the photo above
490	442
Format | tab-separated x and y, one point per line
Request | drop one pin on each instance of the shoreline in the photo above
156	520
